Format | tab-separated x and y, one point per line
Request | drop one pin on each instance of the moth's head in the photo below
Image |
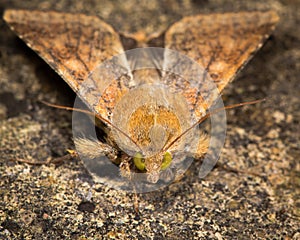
152	165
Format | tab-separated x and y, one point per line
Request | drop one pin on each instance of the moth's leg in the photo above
136	203
71	154
90	148
125	167
237	171
126	172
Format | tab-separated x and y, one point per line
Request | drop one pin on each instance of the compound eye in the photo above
139	161
167	159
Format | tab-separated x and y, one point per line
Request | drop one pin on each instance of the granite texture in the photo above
63	202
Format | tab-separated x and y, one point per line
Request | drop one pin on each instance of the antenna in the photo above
94	115
166	147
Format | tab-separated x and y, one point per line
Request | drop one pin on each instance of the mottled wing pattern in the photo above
75	45
220	43
72	44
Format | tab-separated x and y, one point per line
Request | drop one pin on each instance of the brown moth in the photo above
74	45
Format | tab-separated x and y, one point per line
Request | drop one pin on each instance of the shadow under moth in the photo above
149	100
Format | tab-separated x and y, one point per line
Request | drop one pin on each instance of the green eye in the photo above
139	161
166	161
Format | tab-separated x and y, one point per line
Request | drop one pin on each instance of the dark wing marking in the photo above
222	43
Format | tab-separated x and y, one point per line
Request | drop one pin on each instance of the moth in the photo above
147	113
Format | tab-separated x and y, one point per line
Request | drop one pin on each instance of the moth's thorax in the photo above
151	115
152	126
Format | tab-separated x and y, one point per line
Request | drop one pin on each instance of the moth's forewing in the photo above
222	43
72	44
75	44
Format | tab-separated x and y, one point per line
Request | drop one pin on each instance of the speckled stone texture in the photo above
63	202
